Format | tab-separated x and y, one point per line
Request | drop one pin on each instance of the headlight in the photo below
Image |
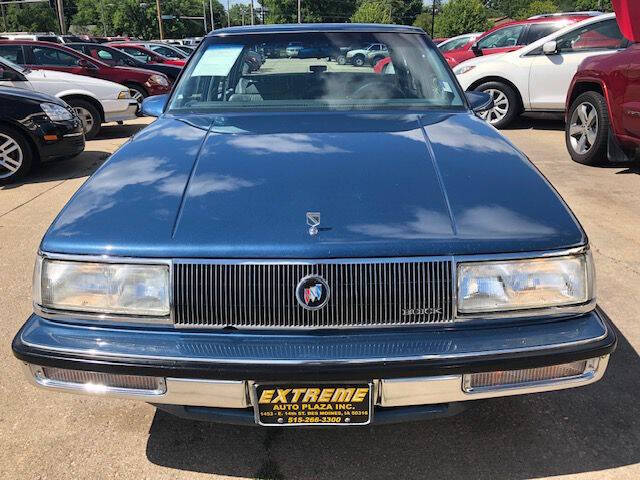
487	287
102	288
159	79
124	94
55	112
463	69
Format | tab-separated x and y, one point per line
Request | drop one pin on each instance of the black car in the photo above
34	128
114	57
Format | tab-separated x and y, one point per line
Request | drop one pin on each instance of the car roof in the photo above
315	27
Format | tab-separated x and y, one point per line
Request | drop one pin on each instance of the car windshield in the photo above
301	71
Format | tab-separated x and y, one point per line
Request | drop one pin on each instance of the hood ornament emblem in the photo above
313	220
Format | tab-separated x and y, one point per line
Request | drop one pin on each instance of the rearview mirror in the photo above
154	106
479	101
550	48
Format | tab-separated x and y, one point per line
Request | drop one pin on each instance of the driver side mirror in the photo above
154	106
550	48
477	51
86	64
479	101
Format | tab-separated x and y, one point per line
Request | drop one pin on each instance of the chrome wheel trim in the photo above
500	106
11	156
86	117
136	95
583	128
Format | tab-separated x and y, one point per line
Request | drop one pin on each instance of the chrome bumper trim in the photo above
399	392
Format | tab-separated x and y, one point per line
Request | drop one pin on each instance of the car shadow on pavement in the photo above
537	121
573	431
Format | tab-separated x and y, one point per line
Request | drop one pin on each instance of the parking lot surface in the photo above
588	433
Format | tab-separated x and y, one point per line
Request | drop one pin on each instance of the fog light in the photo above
98	382
505	379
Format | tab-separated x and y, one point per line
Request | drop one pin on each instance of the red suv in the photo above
145	55
511	36
51	56
603	108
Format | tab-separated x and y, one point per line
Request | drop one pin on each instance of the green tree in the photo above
539	7
462	16
424	21
506	8
583	5
372	11
37	17
286	11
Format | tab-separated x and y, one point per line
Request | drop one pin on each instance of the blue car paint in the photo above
238	185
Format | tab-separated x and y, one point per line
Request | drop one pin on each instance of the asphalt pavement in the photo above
587	433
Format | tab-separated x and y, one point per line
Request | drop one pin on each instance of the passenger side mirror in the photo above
479	101
477	51
154	106
550	48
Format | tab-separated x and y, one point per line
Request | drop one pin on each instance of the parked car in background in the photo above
367	56
603	108
118	58
457	42
510	36
537	77
145	55
40	37
34	128
164	49
46	56
188	49
95	101
259	255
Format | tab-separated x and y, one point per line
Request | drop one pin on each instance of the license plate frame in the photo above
315	413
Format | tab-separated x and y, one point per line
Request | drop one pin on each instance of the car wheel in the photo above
342	60
376	60
358	60
138	94
16	156
89	116
505	104
587	130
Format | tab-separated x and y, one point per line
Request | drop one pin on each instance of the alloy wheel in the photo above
86	117
11	156
500	106
136	95
583	128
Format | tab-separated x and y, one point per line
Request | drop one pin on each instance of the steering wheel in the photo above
377	90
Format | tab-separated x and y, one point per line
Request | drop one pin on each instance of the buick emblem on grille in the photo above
312	292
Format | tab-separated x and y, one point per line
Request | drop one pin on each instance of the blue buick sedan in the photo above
315	244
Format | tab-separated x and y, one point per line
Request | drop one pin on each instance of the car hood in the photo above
17	93
239	186
77	80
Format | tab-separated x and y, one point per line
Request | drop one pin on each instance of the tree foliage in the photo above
461	16
372	11
286	11
539	7
37	17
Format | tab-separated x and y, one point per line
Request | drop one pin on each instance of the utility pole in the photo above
299	11
252	22
228	14
433	17
242	9
204	15
213	24
159	12
63	29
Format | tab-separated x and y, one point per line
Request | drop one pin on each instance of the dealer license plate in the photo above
313	404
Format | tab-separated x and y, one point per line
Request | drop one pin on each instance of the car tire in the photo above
342	60
587	129
89	115
358	60
506	105
16	155
376	60
138	93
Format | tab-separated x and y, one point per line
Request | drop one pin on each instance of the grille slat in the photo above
263	295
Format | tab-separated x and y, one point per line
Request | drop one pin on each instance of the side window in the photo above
53	57
167	52
453	44
505	37
375	48
13	53
540	30
138	54
597	36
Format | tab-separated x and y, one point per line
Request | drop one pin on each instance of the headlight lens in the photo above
159	79
487	287
104	288
463	69
124	94
55	112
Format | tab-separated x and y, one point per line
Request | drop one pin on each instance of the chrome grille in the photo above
263	295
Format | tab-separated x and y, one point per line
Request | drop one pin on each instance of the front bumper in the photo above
120	110
209	374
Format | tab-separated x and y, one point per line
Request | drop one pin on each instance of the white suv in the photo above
537	77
